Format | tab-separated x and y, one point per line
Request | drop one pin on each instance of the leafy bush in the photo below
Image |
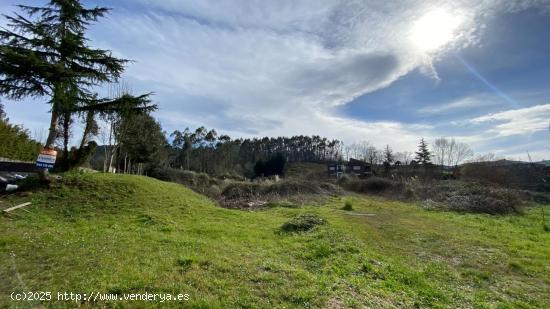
302	223
348	206
16	142
213	190
377	184
240	190
369	185
346	179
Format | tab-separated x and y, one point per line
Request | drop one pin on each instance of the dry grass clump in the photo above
245	194
468	197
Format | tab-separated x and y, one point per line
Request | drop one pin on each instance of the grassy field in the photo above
127	234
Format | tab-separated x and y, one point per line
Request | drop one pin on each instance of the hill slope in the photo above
125	234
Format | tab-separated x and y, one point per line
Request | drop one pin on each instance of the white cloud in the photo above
273	67
522	121
279	67
469	103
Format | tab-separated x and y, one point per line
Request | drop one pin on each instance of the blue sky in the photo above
379	71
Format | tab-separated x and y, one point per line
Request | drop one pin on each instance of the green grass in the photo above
127	234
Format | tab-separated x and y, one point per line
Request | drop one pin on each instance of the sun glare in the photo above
434	29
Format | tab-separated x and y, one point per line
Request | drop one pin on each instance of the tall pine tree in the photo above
388	155
423	155
47	54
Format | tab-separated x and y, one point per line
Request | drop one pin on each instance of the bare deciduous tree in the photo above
450	152
404	157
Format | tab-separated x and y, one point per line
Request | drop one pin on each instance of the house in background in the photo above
359	168
336	169
356	167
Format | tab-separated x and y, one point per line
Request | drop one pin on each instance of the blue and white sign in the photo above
46	159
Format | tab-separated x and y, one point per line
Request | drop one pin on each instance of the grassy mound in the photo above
237	194
302	223
119	234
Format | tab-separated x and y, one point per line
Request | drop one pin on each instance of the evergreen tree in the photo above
142	141
388	158
423	155
47	54
191	149
274	166
388	155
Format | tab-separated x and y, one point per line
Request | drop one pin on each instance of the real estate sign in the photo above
46	158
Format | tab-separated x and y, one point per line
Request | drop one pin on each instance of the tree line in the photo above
443	152
16	141
140	140
205	150
137	144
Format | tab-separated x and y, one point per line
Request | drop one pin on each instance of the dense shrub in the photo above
348	206
508	174
16	143
369	185
231	176
289	187
376	184
76	157
239	190
213	191
451	195
274	166
302	223
467	197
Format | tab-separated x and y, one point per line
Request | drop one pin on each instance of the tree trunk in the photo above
113	149
66	138
108	151
66	132
52	132
87	129
105	158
